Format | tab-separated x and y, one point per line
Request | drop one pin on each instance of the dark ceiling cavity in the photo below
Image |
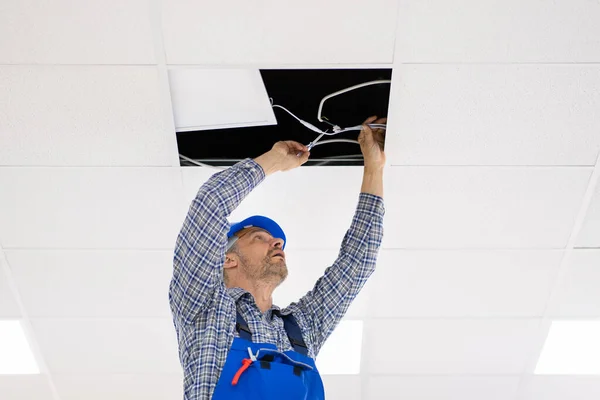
300	91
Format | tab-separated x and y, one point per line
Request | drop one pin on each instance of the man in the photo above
233	342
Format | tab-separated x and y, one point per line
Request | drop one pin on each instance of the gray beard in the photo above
271	270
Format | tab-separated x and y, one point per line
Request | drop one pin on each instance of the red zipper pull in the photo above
245	364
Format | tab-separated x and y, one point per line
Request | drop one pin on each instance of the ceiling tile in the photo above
465	346
93	283
498	31
589	236
83	116
108	346
313	205
463	283
269	31
119	387
495	115
25	387
339	387
9	308
138	208
305	267
577	294
130	283
466	207
557	387
69	32
442	387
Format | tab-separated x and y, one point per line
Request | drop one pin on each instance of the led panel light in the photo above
572	348
216	99
341	353
16	357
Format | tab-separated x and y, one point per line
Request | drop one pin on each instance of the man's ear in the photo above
231	261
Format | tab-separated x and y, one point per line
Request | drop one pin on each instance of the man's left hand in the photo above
372	144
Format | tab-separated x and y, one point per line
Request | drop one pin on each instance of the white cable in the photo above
336	131
306	124
335	141
345	91
199	163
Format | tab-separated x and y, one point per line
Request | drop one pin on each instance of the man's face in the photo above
261	256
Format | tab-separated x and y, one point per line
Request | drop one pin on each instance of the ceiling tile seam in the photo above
364	318
564	268
569	63
396	27
452	375
365	358
75	166
506	166
310	249
45	65
28	327
283	66
267	65
164	88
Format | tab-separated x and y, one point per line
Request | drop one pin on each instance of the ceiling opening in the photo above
301	92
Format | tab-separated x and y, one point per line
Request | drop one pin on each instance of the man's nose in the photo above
277	243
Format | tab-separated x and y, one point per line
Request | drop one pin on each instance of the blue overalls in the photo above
256	371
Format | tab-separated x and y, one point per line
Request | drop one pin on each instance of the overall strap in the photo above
290	325
294	333
242	327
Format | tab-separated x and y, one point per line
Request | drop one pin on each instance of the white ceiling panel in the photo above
93	283
465	346
323	200
25	387
270	31
219	98
557	387
305	267
9	309
498	31
442	387
426	207
119	387
83	116
446	284
72	32
589	236
495	115
339	387
578	293
137	208
108	346
465	207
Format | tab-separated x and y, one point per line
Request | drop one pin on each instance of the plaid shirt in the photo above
204	311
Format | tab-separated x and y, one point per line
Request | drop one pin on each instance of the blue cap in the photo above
258	221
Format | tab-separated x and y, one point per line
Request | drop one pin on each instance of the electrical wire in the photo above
199	163
335	141
361	85
336	129
346	158
316	142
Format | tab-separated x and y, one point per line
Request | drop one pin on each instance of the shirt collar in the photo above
236	293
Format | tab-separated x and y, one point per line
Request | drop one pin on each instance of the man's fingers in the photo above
305	157
296	147
370	119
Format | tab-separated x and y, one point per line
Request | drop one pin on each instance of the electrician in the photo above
233	342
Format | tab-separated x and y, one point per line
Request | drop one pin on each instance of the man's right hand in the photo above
283	157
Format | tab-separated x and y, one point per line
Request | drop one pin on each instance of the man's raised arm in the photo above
200	247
